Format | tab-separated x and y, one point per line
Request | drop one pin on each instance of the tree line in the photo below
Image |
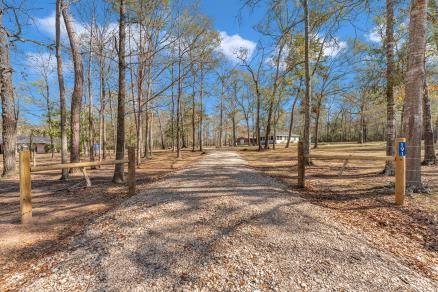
154	74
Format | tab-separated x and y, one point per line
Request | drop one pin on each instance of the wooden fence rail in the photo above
26	180
399	158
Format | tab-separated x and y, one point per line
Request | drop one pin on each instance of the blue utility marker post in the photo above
400	171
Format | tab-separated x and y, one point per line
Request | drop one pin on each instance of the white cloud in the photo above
47	25
41	60
231	45
375	35
334	47
38	62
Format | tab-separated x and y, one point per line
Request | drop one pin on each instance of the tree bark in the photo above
429	149
9	112
390	114
62	101
90	100
119	175
413	94
76	98
306	101
193	111
201	95
178	104
318	113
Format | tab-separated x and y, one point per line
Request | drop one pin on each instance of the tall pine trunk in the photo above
429	149
390	114
201	94
90	99
306	101
415	75
119	175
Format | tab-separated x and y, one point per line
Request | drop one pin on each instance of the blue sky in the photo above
224	14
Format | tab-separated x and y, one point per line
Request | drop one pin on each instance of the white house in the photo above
281	138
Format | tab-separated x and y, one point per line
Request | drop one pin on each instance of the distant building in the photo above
38	142
281	138
244	141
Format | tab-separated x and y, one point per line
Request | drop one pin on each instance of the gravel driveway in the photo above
221	226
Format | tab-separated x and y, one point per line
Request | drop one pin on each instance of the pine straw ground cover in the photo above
62	209
364	199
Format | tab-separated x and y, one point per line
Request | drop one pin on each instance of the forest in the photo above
219	145
97	76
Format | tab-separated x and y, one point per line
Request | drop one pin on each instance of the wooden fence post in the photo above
131	170
301	166
25	188
400	170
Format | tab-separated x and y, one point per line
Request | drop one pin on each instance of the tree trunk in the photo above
151	141
306	101
233	120
390	114
76	98
9	113
259	143
273	95
221	121
172	125
201	94
90	100
119	175
163	146
178	105
49	114
413	93
62	101
193	112
318	113
429	149
102	136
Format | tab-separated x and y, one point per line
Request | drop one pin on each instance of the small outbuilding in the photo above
39	143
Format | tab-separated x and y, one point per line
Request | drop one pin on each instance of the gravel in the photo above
220	226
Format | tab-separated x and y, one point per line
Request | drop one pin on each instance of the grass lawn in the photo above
364	199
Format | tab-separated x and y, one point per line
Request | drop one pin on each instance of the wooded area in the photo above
152	74
271	145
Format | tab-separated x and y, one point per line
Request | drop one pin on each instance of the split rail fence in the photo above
398	158
26	180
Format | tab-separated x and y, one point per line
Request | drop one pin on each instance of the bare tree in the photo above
76	99
119	175
255	76
62	102
9	111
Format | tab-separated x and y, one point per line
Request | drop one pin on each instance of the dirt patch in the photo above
363	198
62	209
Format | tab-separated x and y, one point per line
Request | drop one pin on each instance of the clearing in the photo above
219	225
364	199
62	209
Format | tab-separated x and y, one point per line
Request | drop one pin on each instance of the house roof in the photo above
281	134
26	140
